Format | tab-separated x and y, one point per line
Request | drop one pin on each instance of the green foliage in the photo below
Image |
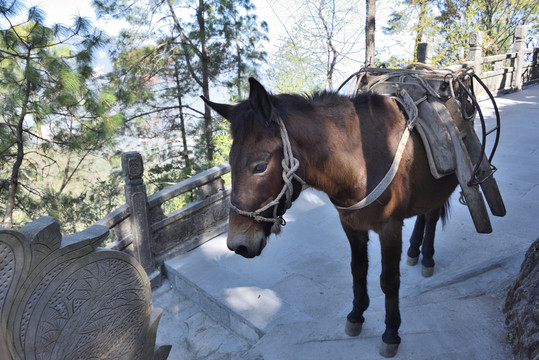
292	70
79	210
161	67
223	142
395	63
52	115
447	24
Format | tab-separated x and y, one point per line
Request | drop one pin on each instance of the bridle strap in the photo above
290	165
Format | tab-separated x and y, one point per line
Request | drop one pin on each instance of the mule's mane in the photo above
287	105
326	97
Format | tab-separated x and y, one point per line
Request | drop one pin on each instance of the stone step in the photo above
180	272
191	332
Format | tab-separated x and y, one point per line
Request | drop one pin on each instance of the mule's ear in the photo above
224	110
260	102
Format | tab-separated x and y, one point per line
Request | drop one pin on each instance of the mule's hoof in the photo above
388	350
427	271
353	329
412	260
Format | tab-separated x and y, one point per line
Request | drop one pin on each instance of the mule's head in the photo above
255	161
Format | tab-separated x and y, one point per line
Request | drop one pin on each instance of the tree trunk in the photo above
369	33
332	51
238	59
15	170
204	62
182	120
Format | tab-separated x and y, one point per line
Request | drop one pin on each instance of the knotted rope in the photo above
290	165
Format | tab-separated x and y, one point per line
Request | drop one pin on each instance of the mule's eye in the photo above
260	168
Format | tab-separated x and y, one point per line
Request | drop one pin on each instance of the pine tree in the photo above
46	106
190	46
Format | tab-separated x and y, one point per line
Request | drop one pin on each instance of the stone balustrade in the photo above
501	73
150	235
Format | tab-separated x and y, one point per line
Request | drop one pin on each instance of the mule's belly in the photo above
425	199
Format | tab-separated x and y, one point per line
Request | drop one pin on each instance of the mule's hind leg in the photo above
391	246
416	240
359	266
427	250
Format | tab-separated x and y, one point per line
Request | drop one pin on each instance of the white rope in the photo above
290	165
388	178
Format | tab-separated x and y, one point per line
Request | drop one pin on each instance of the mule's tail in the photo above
444	212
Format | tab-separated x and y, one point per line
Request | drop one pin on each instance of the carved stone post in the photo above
136	199
424	53
518	47
475	52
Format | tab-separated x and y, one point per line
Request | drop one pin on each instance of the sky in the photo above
279	14
64	12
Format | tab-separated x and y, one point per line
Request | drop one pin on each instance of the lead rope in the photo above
290	165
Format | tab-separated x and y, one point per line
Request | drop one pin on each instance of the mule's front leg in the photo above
391	246
359	266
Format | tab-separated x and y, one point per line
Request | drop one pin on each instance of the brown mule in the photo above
343	146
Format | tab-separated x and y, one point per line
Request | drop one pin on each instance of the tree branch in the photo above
184	42
152	112
65	181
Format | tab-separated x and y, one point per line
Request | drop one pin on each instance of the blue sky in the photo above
279	14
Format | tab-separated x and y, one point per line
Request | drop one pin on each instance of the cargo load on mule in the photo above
441	105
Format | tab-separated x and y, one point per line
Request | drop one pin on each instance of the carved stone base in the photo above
65	298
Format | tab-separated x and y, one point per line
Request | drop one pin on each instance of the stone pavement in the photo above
292	301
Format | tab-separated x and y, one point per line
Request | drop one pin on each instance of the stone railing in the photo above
144	231
63	297
500	73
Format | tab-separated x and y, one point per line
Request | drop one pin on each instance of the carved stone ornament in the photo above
133	167
476	38
65	298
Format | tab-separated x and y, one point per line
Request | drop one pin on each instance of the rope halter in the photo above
290	165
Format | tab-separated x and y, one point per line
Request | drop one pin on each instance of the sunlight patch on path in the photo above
258	305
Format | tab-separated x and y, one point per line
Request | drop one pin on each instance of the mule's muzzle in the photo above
247	249
245	237
247	252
